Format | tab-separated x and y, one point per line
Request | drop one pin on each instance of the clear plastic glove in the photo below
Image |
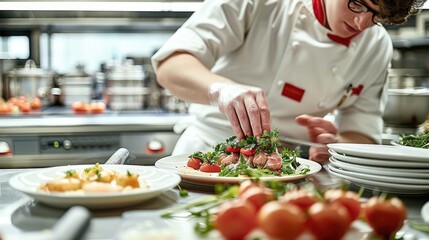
319	131
245	106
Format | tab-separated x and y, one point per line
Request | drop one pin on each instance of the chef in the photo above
250	66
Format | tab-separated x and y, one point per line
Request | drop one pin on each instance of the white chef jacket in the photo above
280	47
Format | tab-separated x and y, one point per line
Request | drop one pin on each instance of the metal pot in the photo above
75	86
407	107
171	103
29	81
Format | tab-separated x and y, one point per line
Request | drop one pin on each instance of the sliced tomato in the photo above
194	163
209	167
248	151
232	149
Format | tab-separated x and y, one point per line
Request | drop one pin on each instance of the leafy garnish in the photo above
419	140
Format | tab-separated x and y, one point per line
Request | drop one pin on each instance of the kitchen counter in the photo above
61	137
20	214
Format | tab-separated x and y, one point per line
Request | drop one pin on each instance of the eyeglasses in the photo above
360	7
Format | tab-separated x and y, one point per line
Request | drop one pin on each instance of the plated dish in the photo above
177	163
384	152
404	163
155	182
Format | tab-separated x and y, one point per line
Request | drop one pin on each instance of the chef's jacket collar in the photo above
319	12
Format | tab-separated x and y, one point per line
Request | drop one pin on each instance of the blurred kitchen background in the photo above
78	51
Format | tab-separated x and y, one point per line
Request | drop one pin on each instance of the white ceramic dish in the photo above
425	212
378	162
386	152
375	177
384	171
383	186
157	179
178	162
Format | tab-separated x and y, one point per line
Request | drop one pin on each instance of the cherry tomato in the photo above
194	163
235	219
281	221
97	107
248	151
328	221
350	200
232	149
258	196
5	108
80	107
25	107
246	185
36	103
300	197
210	167
385	216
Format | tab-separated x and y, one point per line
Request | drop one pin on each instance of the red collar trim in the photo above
320	16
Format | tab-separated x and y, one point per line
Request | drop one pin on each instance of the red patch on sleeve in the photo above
357	90
293	92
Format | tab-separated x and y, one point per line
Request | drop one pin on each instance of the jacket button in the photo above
302	17
334	70
280	83
321	105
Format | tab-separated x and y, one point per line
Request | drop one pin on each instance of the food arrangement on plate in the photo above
420	140
94	179
272	210
249	157
94	186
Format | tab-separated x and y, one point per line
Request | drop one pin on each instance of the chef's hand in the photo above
319	131
245	106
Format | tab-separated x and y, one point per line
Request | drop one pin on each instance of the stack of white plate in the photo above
386	168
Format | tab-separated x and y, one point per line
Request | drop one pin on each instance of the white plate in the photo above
375	177
378	162
382	151
179	161
385	171
157	179
383	186
425	212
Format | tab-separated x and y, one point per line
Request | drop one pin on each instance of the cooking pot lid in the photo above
30	70
410	91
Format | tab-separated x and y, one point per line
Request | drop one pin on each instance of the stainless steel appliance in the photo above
29	81
53	139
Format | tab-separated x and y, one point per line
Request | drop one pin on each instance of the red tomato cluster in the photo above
297	211
20	104
84	108
198	164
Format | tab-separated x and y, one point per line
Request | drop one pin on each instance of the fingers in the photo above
264	111
319	155
246	108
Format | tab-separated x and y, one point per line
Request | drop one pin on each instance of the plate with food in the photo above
233	161
420	141
94	186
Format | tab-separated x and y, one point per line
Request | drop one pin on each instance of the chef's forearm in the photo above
187	78
354	137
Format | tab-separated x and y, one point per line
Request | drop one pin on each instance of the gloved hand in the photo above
319	131
245	106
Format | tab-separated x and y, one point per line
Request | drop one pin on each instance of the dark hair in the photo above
398	11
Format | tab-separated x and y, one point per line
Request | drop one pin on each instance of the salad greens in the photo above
418	140
267	143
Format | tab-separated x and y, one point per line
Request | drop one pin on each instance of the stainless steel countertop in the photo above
19	213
